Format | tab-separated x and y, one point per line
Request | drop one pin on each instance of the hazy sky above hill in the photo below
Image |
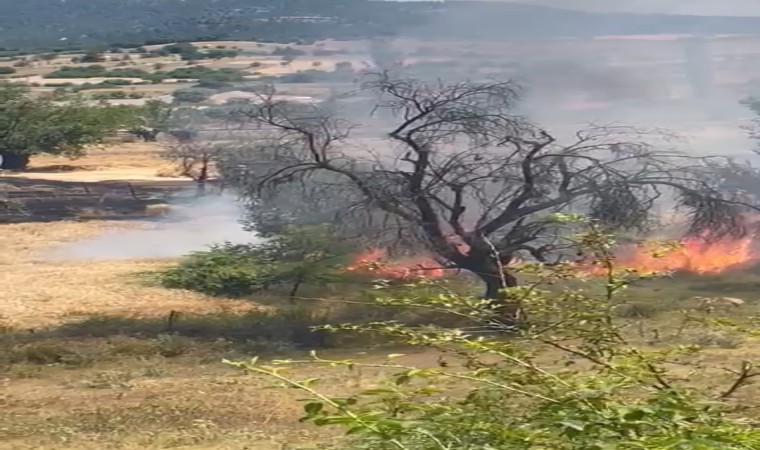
702	7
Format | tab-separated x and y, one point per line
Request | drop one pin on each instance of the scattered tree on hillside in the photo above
49	57
92	56
192	95
29	126
195	157
475	184
152	119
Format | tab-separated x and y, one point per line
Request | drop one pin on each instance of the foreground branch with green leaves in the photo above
572	376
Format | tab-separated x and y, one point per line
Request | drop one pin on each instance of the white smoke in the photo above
187	228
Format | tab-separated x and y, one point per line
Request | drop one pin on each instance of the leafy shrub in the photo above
298	255
5	70
92	56
287	51
117	95
200	72
206	83
192	95
224	270
219	53
186	50
91	71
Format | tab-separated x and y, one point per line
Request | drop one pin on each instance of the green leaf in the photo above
313	408
403	379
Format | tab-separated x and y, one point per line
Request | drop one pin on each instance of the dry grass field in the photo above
78	289
122	380
96	389
113	162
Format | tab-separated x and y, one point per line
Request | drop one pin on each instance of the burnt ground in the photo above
34	200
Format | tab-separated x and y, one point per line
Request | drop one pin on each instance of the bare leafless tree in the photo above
195	157
465	176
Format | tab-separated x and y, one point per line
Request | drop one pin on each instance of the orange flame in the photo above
699	255
694	255
375	261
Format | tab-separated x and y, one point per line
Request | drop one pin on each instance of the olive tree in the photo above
30	126
474	183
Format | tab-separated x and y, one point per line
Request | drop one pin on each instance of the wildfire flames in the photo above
375	261
694	255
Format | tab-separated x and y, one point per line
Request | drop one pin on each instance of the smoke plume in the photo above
187	228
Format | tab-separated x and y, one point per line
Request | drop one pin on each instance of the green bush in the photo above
91	71
219	54
5	70
224	270
118	95
192	95
294	257
204	73
98	71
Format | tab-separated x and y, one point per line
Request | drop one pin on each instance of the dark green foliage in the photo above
91	71
192	95
117	95
98	71
5	70
30	125
196	72
204	73
212	84
40	24
189	52
224	270
295	257
133	23
219	53
186	51
287	52
105	84
319	76
92	56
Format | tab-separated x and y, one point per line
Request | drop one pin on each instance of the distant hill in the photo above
70	23
488	19
128	23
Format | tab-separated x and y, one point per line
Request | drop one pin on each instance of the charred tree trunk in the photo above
507	311
296	286
13	161
200	186
145	134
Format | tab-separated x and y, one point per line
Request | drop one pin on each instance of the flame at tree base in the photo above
375	262
698	255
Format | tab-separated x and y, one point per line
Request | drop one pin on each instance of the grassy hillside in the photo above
77	23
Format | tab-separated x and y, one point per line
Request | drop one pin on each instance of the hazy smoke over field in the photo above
188	228
683	74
